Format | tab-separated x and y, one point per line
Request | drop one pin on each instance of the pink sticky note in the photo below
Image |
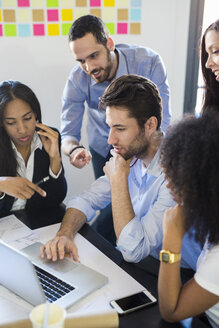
52	15
38	29
122	28
1	32
95	3
23	3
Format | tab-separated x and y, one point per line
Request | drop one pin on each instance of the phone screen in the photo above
133	301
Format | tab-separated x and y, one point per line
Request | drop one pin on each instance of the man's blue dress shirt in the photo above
81	88
150	198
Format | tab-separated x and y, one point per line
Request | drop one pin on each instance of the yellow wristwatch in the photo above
168	257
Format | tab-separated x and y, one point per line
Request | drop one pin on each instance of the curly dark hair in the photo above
138	94
190	160
89	24
10	90
211	94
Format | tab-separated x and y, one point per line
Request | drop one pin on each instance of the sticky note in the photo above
38	15
53	29
67	14
10	30
23	15
0	15
96	12
66	3
135	15
109	3
109	14
122	3
95	3
122	14
122	28
23	3
37	3
135	3
52	3
65	28
1	30
24	30
81	3
9	15
80	12
9	3
38	29
52	15
111	27
135	28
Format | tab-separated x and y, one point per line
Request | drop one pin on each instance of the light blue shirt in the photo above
150	198
81	88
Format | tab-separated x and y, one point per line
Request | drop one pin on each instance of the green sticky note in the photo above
10	30
111	27
52	3
66	28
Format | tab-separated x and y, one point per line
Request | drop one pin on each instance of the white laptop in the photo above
35	280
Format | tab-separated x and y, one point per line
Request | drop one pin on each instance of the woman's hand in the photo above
173	228
49	139
19	187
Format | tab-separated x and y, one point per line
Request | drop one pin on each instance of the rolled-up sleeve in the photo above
97	197
143	235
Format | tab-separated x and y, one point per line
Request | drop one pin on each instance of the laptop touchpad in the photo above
62	266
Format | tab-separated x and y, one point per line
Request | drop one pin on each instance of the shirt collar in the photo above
121	70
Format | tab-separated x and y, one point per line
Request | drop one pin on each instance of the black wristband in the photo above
76	148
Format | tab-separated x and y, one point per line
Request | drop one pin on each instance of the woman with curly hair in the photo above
29	152
210	66
190	160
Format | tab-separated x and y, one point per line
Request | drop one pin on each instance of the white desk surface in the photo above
120	283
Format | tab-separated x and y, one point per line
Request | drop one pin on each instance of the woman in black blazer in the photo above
29	152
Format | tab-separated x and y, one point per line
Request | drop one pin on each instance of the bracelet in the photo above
75	148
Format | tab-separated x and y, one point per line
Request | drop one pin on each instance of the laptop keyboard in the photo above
53	287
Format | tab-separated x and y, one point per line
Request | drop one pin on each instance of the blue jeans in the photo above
104	222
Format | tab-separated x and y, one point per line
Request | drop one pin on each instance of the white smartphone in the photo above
133	302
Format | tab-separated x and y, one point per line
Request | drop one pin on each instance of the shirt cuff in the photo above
3	195
53	175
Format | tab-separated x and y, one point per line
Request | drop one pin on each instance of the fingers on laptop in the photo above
59	247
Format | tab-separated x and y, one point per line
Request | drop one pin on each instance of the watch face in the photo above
165	257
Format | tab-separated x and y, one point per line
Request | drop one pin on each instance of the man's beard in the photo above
106	71
140	150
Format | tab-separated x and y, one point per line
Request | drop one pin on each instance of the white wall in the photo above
43	63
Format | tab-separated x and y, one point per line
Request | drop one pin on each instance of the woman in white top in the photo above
29	152
190	160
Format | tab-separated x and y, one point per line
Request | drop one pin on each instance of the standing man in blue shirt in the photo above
101	61
134	182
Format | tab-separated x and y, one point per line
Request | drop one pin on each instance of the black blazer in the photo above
56	189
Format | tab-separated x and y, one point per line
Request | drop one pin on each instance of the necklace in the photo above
134	163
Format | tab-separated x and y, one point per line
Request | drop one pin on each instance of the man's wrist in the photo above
76	147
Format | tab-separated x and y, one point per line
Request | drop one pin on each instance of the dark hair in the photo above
89	24
190	159
138	94
10	90
211	94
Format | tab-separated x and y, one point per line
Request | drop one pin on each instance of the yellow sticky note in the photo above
122	3
67	14
80	12
66	3
23	15
109	14
53	29
9	3
109	3
0	15
37	3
